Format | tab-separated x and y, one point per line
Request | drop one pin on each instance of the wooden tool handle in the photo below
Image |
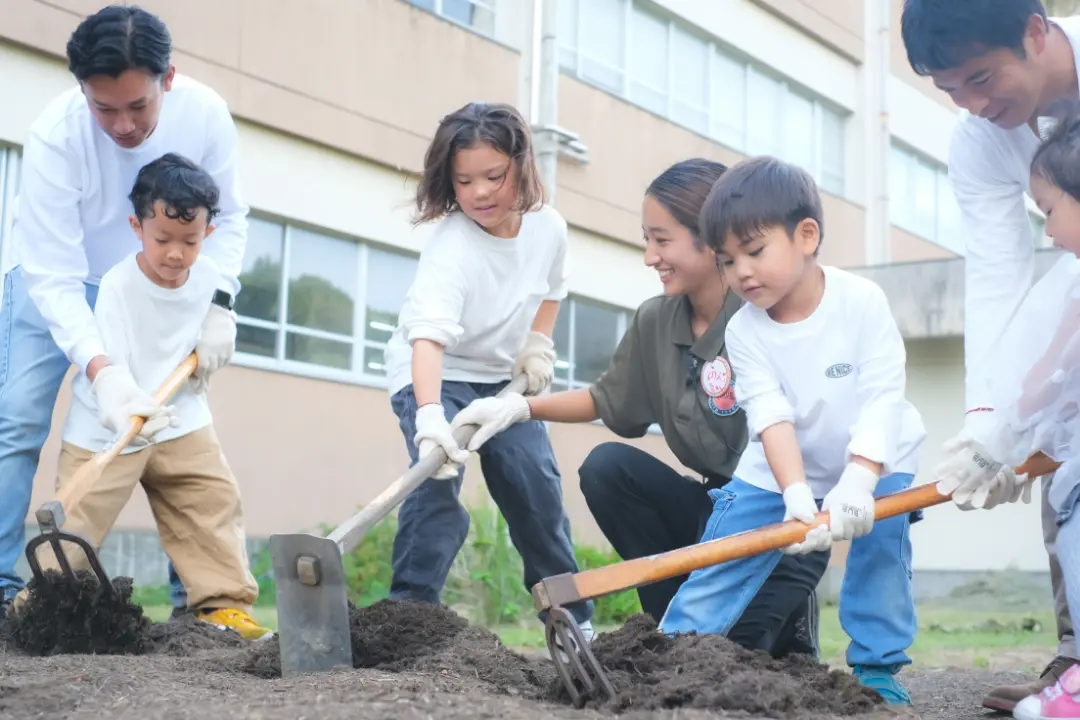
84	478
349	533
590	584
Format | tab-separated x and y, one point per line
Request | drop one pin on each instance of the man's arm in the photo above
48	238
1000	256
226	246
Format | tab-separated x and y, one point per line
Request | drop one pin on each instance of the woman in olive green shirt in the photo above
671	369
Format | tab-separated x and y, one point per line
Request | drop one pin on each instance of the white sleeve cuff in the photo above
85	351
767	410
446	336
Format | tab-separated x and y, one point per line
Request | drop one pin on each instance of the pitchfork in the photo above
51	517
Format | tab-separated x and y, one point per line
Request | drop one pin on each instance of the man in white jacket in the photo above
1003	62
80	160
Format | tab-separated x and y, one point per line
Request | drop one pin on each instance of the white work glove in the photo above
536	360
432	431
119	399
493	415
800	505
217	341
971	475
851	503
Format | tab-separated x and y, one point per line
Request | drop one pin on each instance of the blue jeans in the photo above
32	369
877	608
523	478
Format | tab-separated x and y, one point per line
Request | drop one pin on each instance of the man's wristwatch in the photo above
222	299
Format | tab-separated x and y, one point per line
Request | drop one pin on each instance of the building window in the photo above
921	201
315	302
586	335
10	158
476	14
669	69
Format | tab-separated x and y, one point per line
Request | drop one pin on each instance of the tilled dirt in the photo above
412	660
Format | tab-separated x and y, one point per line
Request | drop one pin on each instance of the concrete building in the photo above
335	103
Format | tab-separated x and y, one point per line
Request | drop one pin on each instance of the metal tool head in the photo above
312	604
50	517
579	671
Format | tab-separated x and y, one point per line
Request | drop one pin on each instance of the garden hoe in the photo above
312	598
581	673
50	515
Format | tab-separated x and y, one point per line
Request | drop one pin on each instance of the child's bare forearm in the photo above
546	314
783	454
427	360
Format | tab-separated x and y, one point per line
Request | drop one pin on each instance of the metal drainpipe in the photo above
547	95
876	73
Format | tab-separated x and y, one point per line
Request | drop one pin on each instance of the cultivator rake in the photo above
578	668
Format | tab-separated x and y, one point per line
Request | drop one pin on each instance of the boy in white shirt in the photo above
150	310
818	366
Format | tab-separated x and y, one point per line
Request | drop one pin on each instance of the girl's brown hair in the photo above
499	125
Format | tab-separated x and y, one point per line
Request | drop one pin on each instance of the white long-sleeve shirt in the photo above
477	296
71	215
150	330
838	376
990	171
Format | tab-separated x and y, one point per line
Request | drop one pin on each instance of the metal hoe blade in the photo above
50	517
575	667
312	604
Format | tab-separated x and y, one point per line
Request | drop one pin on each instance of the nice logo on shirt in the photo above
718	382
838	370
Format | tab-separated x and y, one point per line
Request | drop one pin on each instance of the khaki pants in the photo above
196	504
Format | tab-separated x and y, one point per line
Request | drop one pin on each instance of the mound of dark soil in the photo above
649	670
400	636
652	671
63	617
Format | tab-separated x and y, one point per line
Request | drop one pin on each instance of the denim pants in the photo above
644	508
32	369
877	607
522	476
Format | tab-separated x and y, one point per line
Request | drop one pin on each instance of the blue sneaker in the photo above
882	678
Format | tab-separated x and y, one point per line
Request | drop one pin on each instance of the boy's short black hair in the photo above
119	38
182	187
945	34
757	194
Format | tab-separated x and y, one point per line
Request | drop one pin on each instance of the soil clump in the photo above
653	671
62	617
649	670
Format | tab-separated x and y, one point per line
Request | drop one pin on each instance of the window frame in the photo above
933	232
490	6
830	173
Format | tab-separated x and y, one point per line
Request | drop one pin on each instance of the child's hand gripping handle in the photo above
73	491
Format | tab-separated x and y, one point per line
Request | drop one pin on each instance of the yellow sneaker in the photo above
236	620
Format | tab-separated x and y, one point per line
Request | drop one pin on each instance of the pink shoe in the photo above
1060	701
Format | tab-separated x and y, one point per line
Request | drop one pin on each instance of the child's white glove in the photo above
119	399
493	415
215	347
432	431
536	360
969	473
800	505
851	503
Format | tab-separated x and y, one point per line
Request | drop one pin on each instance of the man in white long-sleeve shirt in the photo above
1003	63
80	160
